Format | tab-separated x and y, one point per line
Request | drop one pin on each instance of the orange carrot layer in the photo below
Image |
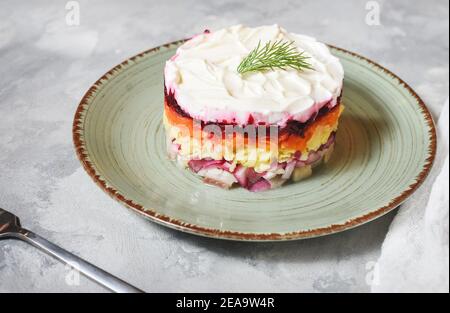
286	140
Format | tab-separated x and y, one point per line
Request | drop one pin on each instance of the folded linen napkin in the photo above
415	253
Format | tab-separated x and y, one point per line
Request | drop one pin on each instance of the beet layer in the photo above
292	126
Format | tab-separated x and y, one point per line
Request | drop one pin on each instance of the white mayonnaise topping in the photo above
203	75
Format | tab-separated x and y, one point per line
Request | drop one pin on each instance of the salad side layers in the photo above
256	129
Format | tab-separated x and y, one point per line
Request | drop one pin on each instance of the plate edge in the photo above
149	213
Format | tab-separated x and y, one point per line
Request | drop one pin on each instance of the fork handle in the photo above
91	271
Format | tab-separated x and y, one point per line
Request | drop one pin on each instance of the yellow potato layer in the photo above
249	155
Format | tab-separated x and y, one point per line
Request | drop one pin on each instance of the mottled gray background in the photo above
46	66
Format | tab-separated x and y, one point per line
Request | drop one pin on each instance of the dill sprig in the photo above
278	54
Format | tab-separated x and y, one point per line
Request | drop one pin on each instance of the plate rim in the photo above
153	215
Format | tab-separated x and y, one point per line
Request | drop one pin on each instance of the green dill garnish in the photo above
278	54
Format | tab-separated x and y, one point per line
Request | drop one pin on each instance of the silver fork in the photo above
10	228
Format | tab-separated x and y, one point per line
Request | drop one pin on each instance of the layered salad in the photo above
252	107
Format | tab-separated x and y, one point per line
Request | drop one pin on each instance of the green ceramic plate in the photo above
385	147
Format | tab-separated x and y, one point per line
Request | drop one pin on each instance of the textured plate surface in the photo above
385	148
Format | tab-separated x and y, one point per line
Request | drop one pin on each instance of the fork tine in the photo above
9	223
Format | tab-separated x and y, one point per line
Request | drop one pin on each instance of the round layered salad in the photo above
236	114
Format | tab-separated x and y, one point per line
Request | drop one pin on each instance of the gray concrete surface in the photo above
47	65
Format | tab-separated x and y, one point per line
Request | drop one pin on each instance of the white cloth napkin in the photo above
415	253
